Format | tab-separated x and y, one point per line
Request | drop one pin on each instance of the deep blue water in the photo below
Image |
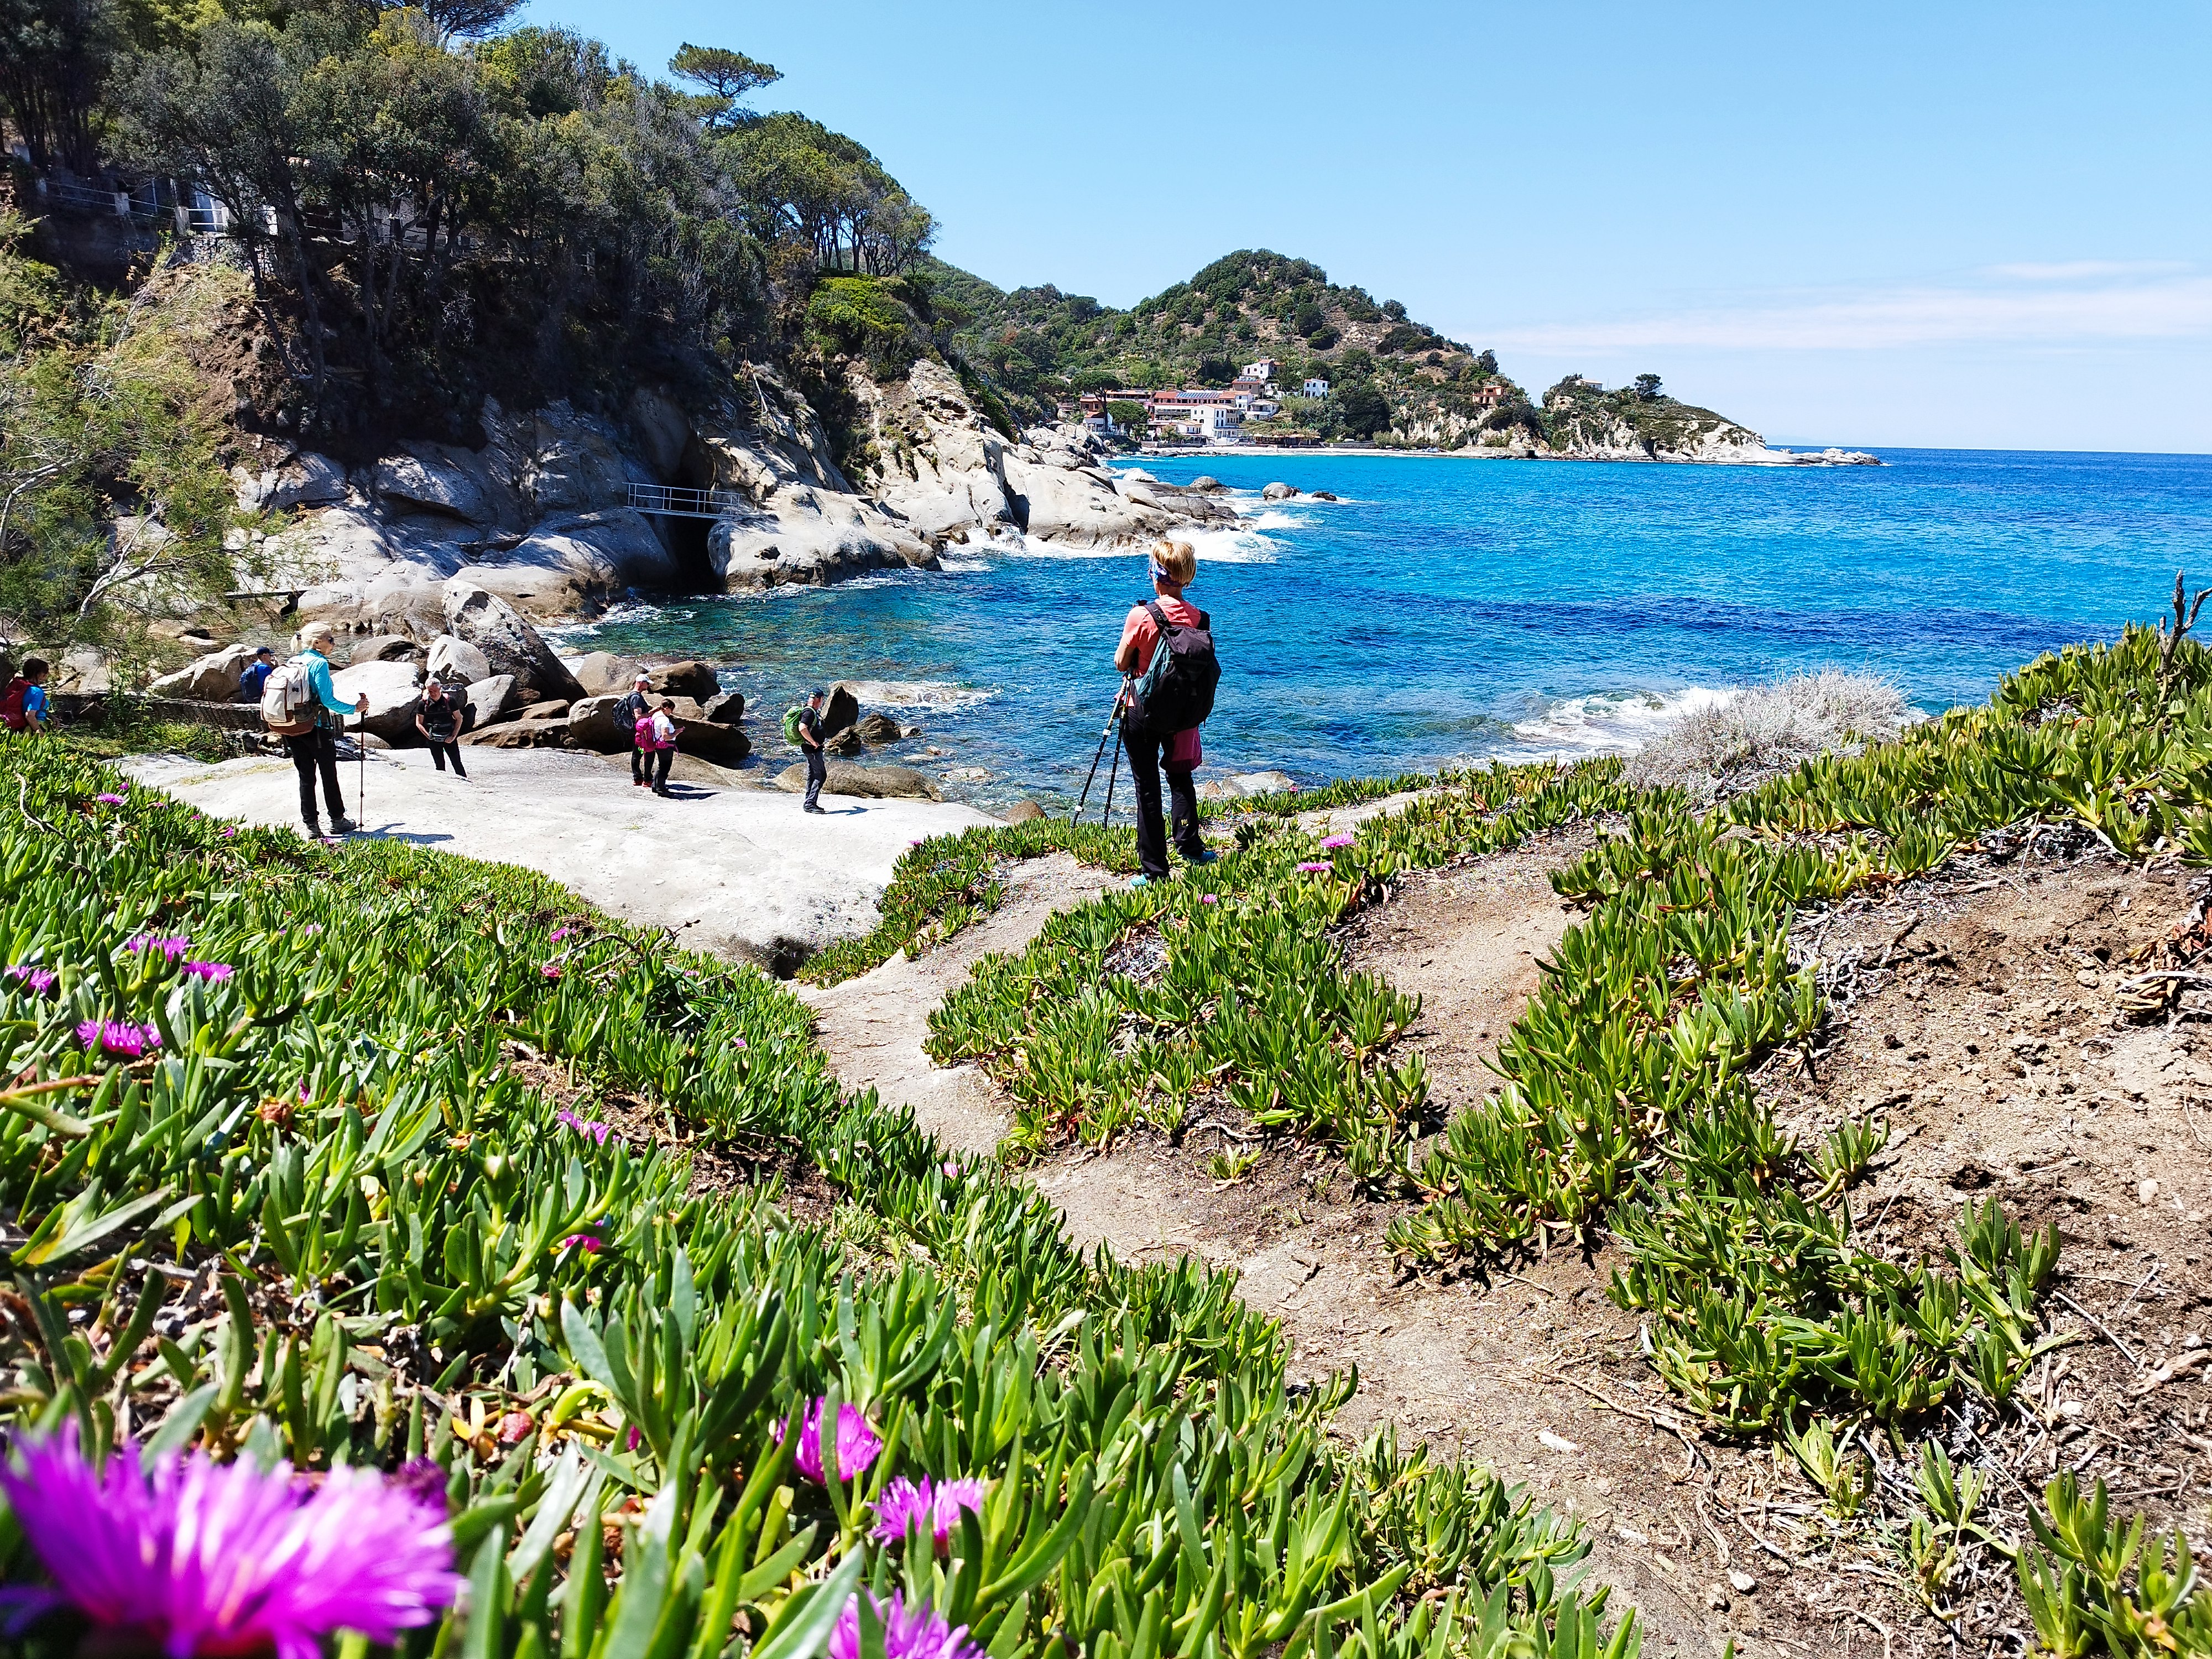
1449	609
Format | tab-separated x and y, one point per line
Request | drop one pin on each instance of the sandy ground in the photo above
741	869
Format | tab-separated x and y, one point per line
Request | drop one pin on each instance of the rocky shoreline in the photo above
1738	455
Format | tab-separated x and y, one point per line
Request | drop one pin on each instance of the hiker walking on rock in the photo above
24	705
638	706
1167	652
437	718
299	703
810	743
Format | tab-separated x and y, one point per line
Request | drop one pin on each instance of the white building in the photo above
1316	389
1263	371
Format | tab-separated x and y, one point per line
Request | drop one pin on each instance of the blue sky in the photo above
1967	225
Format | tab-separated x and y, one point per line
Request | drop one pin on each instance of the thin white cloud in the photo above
2075	271
2091	307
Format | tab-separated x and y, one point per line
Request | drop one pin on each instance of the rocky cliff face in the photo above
540	515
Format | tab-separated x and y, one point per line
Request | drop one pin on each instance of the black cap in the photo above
816	692
262	650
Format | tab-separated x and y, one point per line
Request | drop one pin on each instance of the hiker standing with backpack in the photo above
1167	652
804	727
634	707
297	703
23	703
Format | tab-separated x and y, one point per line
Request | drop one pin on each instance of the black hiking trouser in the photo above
311	752
661	761
818	774
641	763
442	752
1147	760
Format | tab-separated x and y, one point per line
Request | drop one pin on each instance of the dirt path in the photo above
873	1027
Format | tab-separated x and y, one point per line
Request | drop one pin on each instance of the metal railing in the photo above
673	500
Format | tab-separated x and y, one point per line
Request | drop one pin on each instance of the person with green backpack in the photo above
803	727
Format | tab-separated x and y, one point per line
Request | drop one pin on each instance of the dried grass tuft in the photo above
1764	729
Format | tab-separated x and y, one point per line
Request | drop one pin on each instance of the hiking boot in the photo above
314	828
822	810
1203	855
343	825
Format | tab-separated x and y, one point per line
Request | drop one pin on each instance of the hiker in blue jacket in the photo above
317	749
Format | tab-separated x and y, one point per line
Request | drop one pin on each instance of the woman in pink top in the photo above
1175	566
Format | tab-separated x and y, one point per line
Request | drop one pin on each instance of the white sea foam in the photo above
1238	546
1271	517
938	695
953	565
1612	722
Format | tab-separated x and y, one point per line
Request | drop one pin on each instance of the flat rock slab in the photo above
743	872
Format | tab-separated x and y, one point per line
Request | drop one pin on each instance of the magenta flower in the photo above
1317	865
857	1445
591	1127
589	1243
208	1558
951	1170
919	1632
551	970
934	1509
1208	898
118	1037
106	798
39	980
214	972
171	946
560	933
230	834
737	1043
1330	842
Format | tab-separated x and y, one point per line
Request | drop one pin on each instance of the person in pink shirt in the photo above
1175	567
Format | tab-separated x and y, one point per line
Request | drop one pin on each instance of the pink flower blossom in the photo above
919	1632
591	1127
39	980
737	1043
589	1243
857	1445
219	1559
951	1170
214	972
171	946
934	1509
1208	898
1330	842
560	933
515	1427
633	1439
551	970
1311	864
118	1037
230	834
108	799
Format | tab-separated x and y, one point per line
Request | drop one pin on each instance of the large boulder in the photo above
602	673
727	707
867	782
390	688
86	670
445	479
1022	812
711	740
456	662
522	734
211	678
386	647
841	708
877	730
489	699
555	709
847	742
695	680
510	645
1277	492
1207	481
597	723
579	560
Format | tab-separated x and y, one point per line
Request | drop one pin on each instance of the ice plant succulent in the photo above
1312	865
1331	842
934	1507
915	1633
856	1445
591	1127
214	972
118	1037
39	980
208	1558
171	946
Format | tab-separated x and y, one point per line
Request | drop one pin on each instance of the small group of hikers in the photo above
652	731
1169	675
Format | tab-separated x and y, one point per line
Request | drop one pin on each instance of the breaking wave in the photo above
1610	722
940	696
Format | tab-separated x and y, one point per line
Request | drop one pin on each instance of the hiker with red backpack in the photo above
297	704
1167	655
24	706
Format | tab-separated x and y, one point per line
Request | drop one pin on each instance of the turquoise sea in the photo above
1445	608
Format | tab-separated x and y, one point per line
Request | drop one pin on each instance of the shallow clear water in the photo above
1448	609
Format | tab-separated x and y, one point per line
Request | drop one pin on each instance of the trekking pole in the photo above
1113	720
360	778
1113	771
